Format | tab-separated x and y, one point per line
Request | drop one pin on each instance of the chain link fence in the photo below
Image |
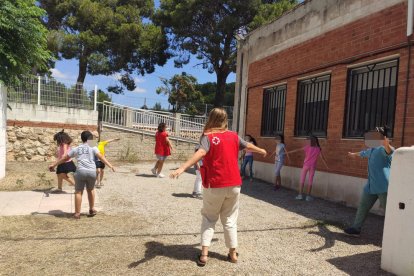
49	91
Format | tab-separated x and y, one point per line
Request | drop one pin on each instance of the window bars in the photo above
312	106
273	111
371	98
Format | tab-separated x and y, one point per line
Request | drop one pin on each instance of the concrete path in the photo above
33	202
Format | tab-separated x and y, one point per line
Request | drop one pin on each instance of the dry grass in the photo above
24	176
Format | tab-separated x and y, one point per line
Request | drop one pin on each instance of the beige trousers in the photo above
223	203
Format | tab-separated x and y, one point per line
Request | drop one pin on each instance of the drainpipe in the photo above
410	10
240	91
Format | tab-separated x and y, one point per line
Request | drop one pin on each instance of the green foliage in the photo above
106	37
182	92
270	11
206	28
157	107
208	90
23	39
102	96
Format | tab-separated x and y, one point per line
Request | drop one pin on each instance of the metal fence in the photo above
49	91
147	120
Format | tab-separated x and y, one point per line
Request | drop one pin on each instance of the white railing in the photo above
48	91
147	120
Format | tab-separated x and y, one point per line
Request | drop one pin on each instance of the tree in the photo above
206	28
23	39
208	90
270	10
182	93
106	37
102	96
157	107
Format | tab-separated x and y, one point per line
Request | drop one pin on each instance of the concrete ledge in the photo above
333	187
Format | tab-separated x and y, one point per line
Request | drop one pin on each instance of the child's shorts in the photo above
67	167
278	167
100	164
161	157
84	178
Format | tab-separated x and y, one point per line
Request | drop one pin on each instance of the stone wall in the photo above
35	143
138	146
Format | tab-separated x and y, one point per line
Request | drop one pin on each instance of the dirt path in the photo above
150	226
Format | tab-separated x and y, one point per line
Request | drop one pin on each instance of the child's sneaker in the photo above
160	175
352	232
299	197
154	171
309	198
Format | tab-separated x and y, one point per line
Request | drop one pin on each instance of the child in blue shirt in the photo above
379	164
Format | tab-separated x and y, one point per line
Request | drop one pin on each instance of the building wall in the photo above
309	20
343	34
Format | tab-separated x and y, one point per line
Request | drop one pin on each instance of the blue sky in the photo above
67	71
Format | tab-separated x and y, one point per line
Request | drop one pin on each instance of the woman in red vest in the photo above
219	149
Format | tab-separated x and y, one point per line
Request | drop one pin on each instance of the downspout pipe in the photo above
410	11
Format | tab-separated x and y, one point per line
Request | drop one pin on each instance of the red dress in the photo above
161	146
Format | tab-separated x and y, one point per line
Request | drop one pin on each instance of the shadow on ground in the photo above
351	265
177	252
324	212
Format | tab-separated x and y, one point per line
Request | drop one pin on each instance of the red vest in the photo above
220	165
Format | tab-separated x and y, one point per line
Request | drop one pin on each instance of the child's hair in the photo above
252	140
280	137
384	130
62	138
314	141
86	135
217	120
161	127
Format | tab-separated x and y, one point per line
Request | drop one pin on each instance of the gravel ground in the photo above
150	226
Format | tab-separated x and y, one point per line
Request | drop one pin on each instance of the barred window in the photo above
273	111
312	106
371	96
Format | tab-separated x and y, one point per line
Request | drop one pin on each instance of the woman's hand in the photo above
176	173
52	168
263	152
113	168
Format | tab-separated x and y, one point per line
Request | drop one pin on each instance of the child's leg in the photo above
98	172
68	179
279	180
78	201
60	177
310	179
302	179
251	167
101	175
243	168
90	179
91	198
197	183
160	165
156	165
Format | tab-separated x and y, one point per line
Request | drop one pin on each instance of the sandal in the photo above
76	216
92	212
201	263
232	260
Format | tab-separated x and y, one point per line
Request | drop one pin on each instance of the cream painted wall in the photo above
398	239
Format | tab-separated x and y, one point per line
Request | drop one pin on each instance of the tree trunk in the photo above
83	64
220	88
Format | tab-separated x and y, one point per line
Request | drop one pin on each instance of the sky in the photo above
67	71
